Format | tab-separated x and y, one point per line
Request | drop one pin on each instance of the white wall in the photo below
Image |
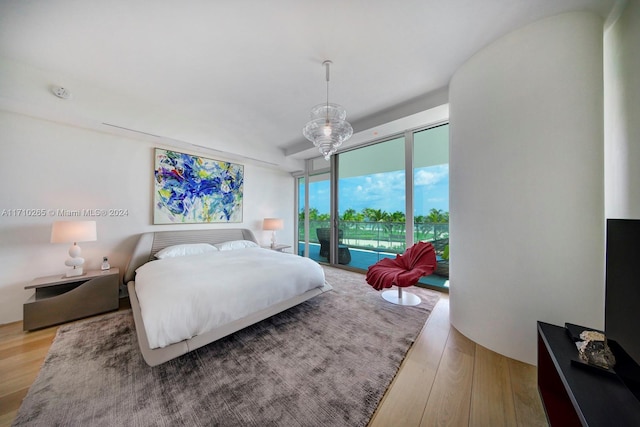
622	114
54	166
526	184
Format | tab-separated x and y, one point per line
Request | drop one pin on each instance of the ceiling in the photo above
241	76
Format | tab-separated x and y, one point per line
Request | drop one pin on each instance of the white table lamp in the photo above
74	232
273	224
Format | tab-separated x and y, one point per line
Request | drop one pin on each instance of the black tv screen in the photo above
622	302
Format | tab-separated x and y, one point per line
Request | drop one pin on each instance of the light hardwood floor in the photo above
446	379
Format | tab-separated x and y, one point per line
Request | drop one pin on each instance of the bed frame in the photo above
148	245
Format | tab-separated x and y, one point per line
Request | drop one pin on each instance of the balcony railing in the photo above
380	236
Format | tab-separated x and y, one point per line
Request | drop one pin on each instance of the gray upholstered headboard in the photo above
149	244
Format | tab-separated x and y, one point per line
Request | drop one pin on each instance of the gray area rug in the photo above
326	362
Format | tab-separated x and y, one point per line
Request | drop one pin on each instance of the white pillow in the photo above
236	244
185	250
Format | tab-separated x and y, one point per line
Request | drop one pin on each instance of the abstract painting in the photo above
191	189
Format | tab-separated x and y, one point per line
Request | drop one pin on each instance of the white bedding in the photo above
187	296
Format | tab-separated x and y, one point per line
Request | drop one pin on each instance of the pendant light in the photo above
327	128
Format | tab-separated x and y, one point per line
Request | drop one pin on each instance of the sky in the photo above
386	191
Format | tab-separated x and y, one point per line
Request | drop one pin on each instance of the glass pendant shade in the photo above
327	128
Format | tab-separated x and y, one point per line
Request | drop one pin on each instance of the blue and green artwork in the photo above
192	189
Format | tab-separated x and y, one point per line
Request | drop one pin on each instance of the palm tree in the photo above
435	223
421	226
349	215
348	221
374	215
313	214
397	216
397	226
437	215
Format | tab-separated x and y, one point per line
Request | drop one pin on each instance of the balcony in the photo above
369	242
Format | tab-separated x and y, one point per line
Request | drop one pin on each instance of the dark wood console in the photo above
580	396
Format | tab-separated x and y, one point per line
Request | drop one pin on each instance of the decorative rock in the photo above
594	350
592	336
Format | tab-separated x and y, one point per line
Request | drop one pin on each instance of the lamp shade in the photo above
73	231
272	224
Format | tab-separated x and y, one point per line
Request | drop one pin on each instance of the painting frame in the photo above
192	189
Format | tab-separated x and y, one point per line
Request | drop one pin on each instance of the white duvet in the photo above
187	296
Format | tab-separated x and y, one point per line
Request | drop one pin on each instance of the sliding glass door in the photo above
301	201
431	196
371	203
378	200
319	202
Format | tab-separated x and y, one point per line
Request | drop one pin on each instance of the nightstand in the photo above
277	248
60	299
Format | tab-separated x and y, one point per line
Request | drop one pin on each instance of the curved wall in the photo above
526	184
622	114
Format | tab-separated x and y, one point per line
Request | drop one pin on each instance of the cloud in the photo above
431	175
384	184
384	191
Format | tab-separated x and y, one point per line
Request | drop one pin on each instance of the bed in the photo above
144	270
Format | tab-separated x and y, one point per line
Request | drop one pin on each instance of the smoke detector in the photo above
61	92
